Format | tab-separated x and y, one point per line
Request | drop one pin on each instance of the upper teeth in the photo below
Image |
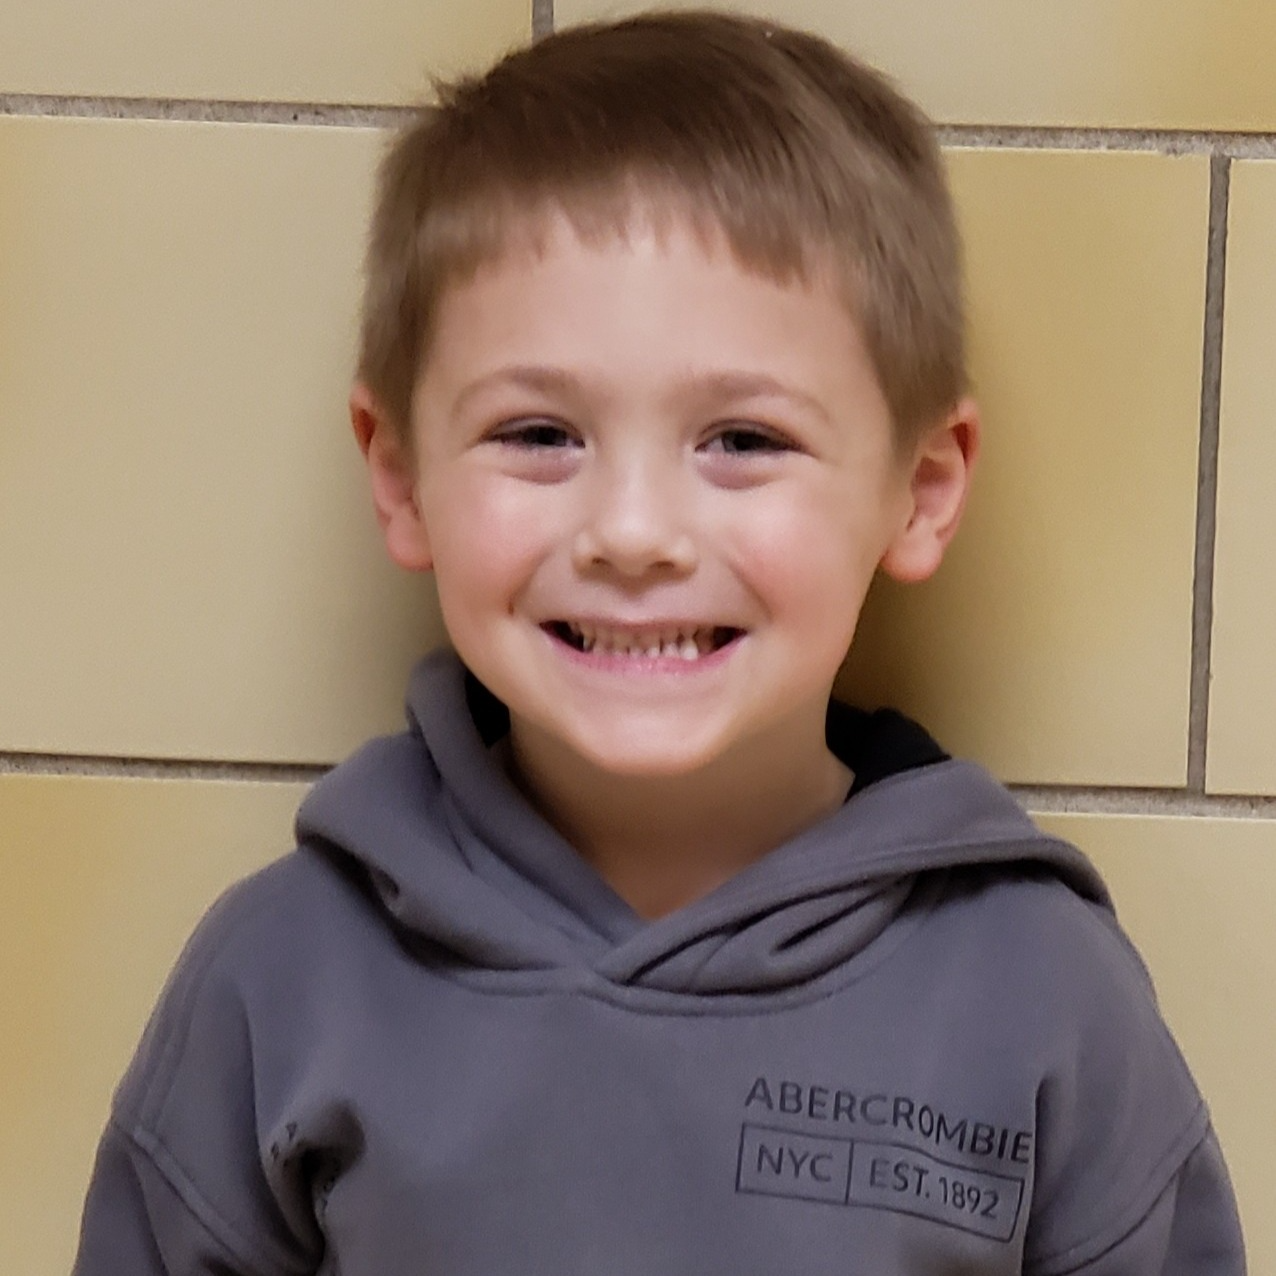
684	644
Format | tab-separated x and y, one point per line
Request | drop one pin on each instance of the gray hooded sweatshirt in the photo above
912	1041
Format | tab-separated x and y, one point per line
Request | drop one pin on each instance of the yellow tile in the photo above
1198	897
188	560
1055	642
1242	730
287	50
100	883
1192	64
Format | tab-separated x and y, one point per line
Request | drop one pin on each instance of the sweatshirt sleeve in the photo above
1128	1176
181	1185
1192	1230
135	1222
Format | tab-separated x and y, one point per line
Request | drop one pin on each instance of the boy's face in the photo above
654	488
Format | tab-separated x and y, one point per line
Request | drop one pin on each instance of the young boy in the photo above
634	954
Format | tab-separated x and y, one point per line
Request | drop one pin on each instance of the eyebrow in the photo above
546	380
729	385
758	385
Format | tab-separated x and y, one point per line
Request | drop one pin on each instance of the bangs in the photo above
488	227
803	162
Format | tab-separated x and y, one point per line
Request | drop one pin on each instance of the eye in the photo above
535	434
746	439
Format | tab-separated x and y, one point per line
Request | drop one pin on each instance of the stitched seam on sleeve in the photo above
155	1093
254	1260
1098	1243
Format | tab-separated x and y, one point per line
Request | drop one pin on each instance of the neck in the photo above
661	842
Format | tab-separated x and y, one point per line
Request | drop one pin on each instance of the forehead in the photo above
662	313
626	232
551	269
506	225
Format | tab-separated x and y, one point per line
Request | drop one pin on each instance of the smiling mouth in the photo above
687	643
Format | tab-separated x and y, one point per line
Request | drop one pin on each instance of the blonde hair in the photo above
799	155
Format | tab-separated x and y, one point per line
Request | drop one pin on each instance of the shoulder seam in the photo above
155	1090
1080	1253
200	1209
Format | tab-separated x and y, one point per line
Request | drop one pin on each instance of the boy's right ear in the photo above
392	472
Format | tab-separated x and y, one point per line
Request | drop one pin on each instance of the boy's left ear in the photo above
939	480
392	473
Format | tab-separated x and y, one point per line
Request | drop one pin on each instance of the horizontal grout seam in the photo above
1163	141
1062	799
56	764
200	111
1236	145
1164	803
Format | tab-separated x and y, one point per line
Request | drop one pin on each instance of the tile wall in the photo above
194	613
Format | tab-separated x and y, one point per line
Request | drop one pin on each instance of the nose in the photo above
636	521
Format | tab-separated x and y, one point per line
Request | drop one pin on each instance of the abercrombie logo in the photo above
879	1164
900	1112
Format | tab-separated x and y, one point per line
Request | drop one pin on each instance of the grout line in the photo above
1207	475
1235	145
197	110
1164	141
542	18
1058	798
56	764
1064	799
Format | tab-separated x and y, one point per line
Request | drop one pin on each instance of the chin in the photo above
658	761
647	768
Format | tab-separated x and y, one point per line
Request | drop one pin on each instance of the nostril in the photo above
633	543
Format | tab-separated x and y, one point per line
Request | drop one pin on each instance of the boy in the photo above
635	954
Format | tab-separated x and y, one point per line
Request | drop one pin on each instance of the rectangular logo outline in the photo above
955	1220
1019	1184
744	1190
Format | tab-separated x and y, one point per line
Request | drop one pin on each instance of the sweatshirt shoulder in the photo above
1054	932
278	916
186	1130
260	915
1085	999
1118	1111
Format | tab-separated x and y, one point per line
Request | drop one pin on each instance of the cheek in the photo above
485	537
810	556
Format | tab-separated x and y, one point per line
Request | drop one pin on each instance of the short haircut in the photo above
800	156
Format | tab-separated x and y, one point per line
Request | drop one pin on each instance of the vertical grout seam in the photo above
542	18
1207	474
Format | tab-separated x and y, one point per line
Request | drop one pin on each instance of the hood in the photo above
465	869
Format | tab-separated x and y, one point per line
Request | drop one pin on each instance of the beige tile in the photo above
1242	730
100	883
1055	642
286	50
188	559
1192	64
1198	897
